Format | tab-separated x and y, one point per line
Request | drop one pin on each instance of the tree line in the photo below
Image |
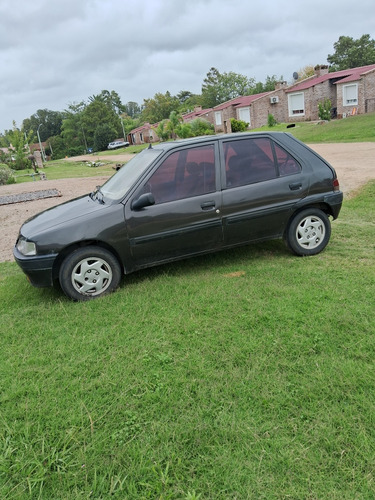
102	118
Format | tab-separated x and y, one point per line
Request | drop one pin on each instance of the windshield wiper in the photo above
97	195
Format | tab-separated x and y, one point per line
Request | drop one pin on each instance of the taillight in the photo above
336	185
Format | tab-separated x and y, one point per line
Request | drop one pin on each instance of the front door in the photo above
186	217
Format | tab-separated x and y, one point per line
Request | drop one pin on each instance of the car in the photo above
180	199
118	144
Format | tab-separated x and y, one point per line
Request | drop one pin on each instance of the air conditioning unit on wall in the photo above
274	100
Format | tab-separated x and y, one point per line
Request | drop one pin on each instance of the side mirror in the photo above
145	200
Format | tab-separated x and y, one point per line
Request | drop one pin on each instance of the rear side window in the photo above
183	174
286	163
254	160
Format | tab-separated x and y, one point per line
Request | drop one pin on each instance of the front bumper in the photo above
38	268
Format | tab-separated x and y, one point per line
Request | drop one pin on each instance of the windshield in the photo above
119	184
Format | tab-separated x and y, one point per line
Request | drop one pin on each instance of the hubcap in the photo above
91	276
310	232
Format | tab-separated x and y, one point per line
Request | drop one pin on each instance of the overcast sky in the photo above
57	52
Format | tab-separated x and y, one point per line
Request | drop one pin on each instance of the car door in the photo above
263	182
185	219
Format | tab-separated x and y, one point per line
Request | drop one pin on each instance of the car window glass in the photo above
248	161
286	163
185	173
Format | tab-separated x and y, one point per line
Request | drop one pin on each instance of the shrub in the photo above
271	122
201	127
238	125
6	175
325	109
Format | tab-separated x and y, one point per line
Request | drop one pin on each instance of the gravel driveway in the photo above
354	164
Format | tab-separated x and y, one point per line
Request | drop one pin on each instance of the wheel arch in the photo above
324	207
81	244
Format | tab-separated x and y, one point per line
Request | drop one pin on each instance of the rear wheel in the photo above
89	272
309	232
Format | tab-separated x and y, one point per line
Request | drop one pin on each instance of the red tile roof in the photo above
343	76
240	101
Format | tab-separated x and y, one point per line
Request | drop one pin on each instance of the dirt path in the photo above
354	163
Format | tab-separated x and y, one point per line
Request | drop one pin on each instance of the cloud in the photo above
56	53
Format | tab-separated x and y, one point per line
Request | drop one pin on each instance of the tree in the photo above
350	53
132	109
220	87
103	135
159	107
99	113
162	130
50	121
72	130
305	72
19	150
174	120
111	99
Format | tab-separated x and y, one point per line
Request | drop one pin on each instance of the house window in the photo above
350	94
218	120
244	115
296	104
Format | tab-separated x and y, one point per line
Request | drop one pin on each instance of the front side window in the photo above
256	160
183	174
350	94
296	103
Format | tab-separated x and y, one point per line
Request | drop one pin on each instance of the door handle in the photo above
294	186
207	205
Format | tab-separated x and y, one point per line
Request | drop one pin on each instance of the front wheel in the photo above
309	232
89	272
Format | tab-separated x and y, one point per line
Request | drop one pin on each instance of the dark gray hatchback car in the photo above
179	199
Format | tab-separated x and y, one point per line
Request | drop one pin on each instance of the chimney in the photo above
321	70
280	85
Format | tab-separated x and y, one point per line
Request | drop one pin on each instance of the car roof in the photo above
209	138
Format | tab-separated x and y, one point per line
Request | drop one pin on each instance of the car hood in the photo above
74	209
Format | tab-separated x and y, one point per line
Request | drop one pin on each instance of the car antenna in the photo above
150	146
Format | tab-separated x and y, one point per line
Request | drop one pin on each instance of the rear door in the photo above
262	184
186	218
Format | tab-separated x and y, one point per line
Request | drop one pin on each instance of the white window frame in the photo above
218	118
244	111
348	93
295	110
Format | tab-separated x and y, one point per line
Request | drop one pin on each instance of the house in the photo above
239	108
144	134
205	114
351	91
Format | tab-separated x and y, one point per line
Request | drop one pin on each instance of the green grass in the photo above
359	128
64	169
244	374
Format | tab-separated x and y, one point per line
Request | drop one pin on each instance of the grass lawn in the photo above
244	374
359	128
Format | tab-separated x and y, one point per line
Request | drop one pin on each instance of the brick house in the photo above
205	114
144	134
350	91
239	108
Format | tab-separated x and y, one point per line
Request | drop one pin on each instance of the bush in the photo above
325	109
238	125
6	175
271	122
201	127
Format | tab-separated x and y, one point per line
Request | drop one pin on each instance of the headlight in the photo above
25	247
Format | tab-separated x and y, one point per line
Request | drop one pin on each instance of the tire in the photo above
309	232
89	272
